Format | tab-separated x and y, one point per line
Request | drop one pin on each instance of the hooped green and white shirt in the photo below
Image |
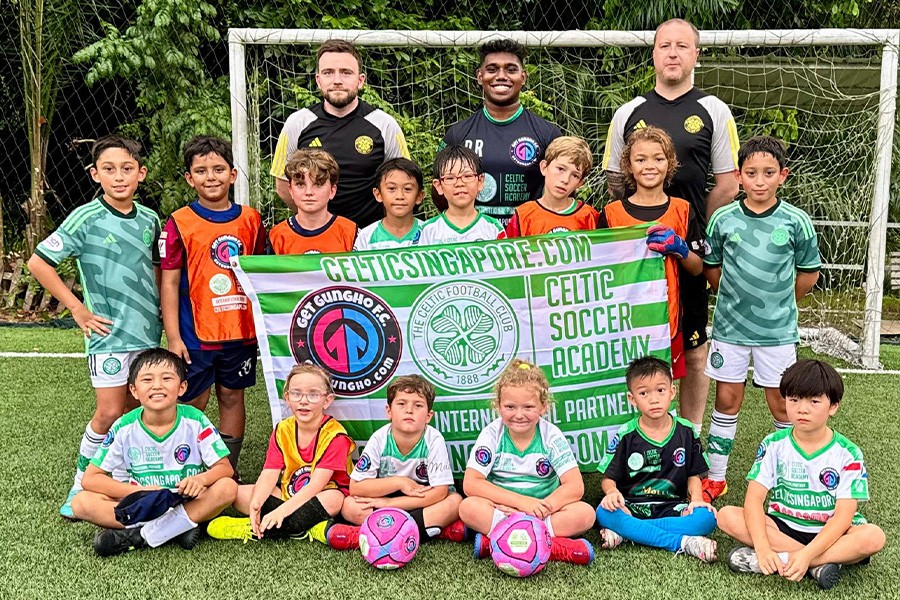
534	471
439	230
803	488
190	447
427	463
376	237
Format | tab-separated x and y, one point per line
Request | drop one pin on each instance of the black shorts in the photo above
804	537
694	309
233	368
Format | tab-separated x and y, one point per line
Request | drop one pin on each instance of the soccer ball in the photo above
389	538
520	545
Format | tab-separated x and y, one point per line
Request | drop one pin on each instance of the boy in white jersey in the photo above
459	177
814	478
762	256
161	445
113	238
404	465
399	186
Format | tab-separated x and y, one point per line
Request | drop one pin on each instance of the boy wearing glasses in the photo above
459	177
404	465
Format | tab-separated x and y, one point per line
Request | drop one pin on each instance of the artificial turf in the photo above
45	403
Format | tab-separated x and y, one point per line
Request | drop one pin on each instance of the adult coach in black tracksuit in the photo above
358	135
510	139
705	137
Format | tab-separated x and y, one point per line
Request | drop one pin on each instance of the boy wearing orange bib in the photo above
206	315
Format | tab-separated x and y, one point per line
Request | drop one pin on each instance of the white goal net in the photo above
829	94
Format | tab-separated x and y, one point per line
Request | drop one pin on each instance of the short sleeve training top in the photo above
376	237
116	253
427	463
511	152
803	488
439	230
533	472
359	142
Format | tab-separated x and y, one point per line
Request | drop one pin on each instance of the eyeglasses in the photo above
465	178
311	397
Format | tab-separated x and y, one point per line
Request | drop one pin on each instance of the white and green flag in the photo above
580	305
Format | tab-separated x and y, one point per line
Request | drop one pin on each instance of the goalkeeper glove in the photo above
663	240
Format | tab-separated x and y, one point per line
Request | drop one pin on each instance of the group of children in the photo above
521	462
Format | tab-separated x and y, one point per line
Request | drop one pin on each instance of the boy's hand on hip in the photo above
89	323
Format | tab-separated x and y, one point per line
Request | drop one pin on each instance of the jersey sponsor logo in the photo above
489	190
482	455
613	444
182	453
220	284
108	440
679	457
316	143
716	360
363	463
112	365
542	467
54	242
693	124
524	151
760	452
422	471
223	248
462	334
245	368
780	236
299	478
351	333
829	478
635	461
364	144
147	236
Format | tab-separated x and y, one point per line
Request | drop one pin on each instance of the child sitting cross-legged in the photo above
405	465
651	473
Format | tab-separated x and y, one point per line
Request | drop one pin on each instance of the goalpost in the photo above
831	94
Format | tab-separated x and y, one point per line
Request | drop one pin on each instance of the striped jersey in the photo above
427	463
534	471
439	230
376	237
759	255
803	488
190	447
116	253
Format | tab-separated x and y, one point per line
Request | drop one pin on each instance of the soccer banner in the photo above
581	305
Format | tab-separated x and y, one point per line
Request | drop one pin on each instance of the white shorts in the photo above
729	363
110	369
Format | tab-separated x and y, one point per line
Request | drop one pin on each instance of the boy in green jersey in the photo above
404	465
163	445
815	479
399	187
114	241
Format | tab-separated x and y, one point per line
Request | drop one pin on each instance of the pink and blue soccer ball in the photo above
520	545
389	538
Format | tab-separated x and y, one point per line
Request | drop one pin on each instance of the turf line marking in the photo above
81	355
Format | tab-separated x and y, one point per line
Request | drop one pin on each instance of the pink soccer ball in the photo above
389	538
520	545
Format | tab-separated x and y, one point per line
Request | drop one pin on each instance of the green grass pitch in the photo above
45	402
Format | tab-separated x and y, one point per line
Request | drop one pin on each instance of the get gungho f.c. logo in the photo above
462	334
351	333
524	151
223	248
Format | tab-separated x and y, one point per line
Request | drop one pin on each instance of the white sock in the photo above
781	424
433	531
698	428
720	443
549	526
498	516
162	529
90	442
